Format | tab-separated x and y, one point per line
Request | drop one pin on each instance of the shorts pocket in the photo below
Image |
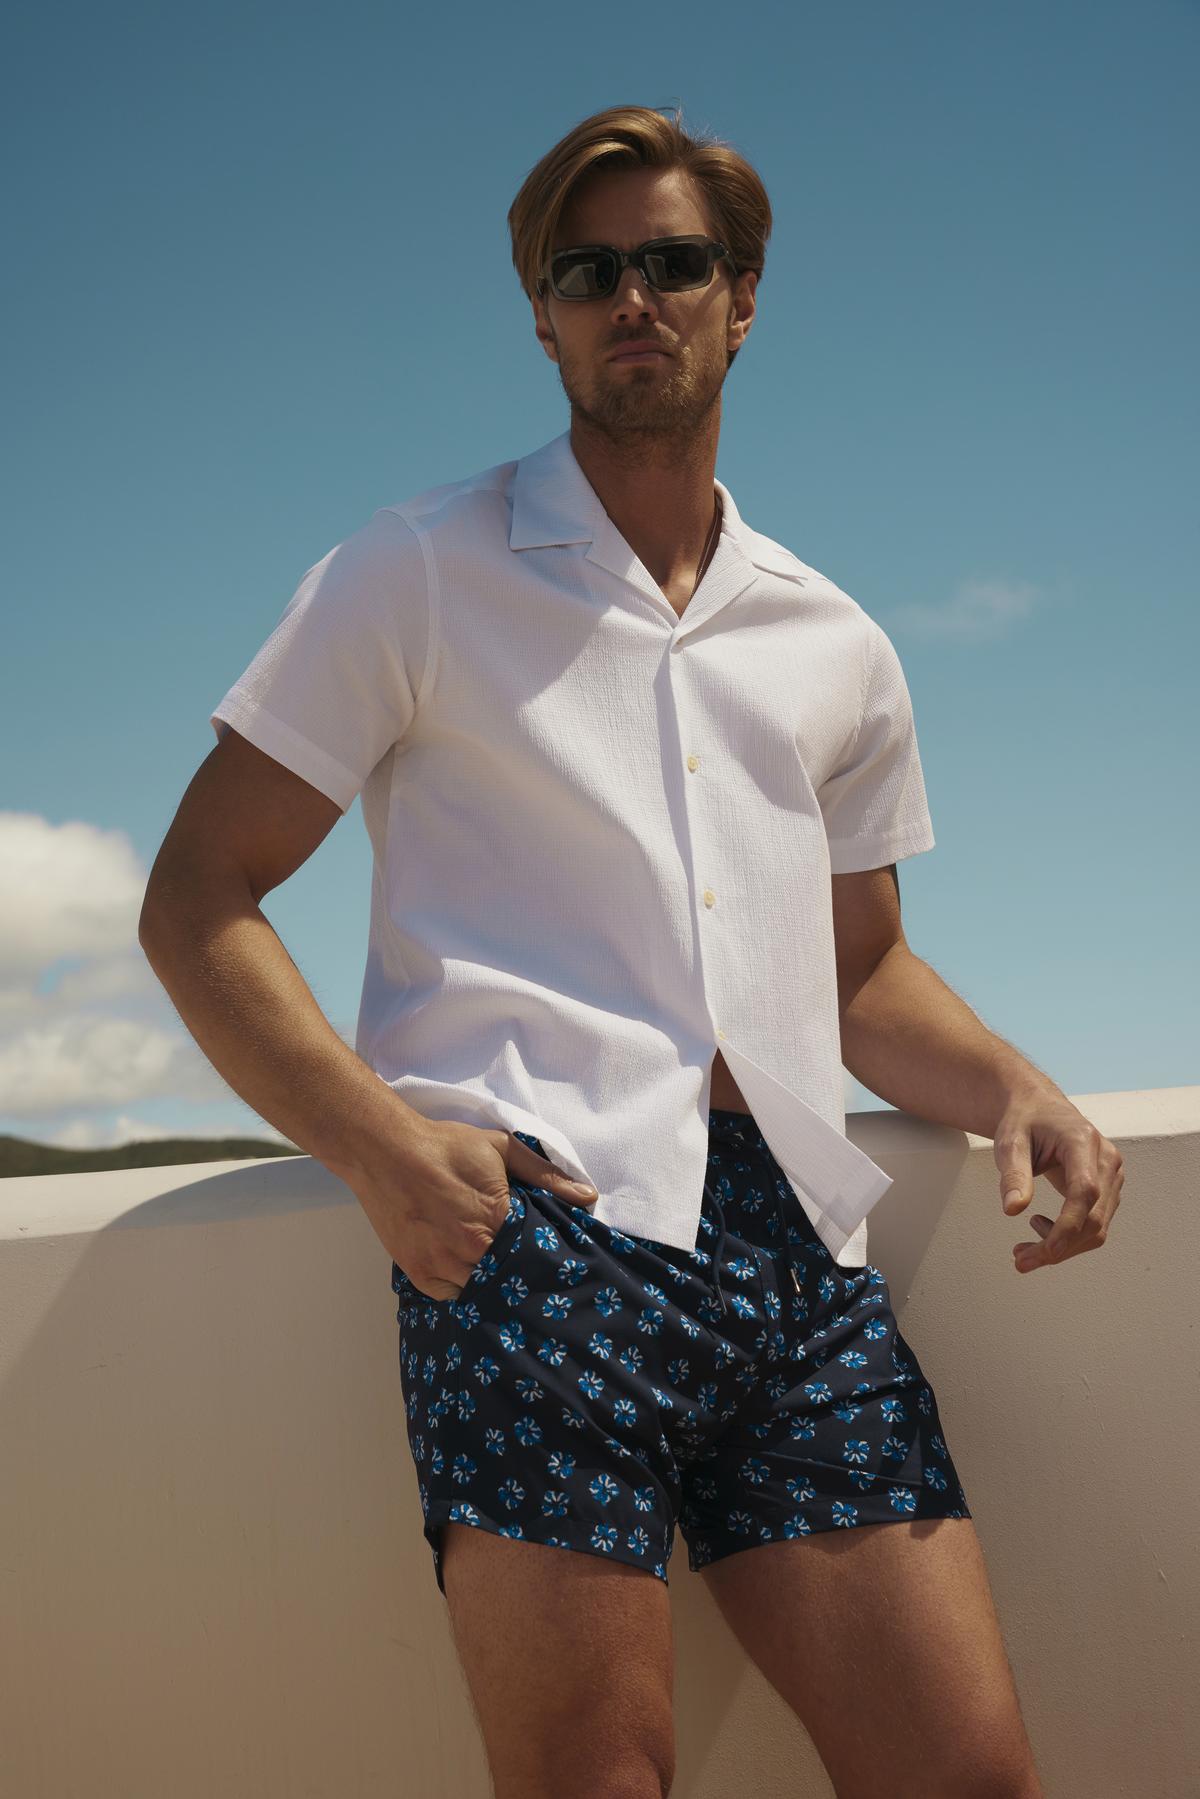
488	1265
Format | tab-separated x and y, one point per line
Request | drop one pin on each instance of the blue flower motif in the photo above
511	1493
874	1329
466	1403
893	1410
853	1358
844	1513
678	1371
745	1308
638	1540
600	1346
797	1526
485	1370
934	1477
643	1499
654	1294
463	1469
512	1335
546	1237
604	1537
706	1395
846	1410
603	1489
527	1431
551	1351
463	1513
561	1464
801	1429
937	1445
556	1305
572	1271
554	1505
902	1499
493	1441
754	1472
664	1400
818	1390
608	1301
856	1450
689	1326
625	1412
510	1530
631	1357
740	1523
772	1304
895	1449
650	1322
590	1384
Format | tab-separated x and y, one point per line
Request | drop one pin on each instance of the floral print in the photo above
589	1390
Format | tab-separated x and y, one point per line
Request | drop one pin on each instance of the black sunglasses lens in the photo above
677	266
580	274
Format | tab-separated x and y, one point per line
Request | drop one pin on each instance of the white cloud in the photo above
84	1022
93	1059
976	612
65	890
87	1133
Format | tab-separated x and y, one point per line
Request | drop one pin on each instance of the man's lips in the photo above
638	356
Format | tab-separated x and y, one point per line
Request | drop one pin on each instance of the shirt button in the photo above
693	762
710	898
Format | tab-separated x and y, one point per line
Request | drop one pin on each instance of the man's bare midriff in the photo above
724	1091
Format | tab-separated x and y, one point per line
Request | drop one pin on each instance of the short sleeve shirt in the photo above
603	833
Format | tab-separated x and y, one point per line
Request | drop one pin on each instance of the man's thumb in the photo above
542	1173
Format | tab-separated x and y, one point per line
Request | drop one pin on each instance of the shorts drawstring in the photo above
716	1261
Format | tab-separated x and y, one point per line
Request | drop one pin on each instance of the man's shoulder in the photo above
464	504
773	557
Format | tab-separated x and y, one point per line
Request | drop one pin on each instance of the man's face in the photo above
664	395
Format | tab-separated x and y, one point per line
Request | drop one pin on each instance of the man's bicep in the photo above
866	924
243	814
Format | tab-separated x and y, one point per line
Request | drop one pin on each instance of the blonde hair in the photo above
633	137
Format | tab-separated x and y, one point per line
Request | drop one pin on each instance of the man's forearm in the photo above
254	1016
909	1038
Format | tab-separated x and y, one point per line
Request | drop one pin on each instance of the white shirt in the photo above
603	833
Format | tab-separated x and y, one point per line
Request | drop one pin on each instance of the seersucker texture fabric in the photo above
603	833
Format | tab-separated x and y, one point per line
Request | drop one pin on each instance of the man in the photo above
636	780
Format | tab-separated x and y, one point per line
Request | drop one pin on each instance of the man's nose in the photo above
633	294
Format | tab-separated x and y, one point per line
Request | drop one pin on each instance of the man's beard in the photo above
664	407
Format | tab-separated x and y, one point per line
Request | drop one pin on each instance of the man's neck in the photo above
660	494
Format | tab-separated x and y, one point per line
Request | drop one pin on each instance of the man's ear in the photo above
541	326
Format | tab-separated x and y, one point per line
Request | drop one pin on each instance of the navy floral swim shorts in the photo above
587	1389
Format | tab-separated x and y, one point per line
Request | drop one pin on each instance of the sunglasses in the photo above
669	264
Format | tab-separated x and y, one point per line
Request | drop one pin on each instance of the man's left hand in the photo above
1042	1133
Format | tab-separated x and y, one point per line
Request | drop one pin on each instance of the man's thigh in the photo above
884	1640
569	1659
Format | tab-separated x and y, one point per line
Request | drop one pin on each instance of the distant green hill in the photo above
18	1155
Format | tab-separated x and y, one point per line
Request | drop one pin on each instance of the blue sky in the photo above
260	284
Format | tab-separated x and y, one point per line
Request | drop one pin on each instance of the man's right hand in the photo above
445	1196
